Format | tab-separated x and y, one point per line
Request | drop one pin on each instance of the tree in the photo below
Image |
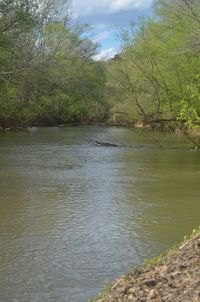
155	79
47	73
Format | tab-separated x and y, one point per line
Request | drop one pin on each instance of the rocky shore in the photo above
174	277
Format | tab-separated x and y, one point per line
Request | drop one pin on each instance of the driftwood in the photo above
105	144
118	282
189	241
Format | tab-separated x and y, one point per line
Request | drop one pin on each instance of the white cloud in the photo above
101	36
101	26
118	5
95	7
106	54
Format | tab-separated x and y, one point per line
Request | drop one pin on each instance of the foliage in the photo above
156	77
190	110
47	74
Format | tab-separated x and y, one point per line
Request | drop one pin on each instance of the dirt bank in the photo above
174	278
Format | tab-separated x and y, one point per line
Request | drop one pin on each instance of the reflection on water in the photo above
73	214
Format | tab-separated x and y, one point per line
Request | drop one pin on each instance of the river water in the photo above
74	215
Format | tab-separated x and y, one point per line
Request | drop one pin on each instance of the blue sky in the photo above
107	17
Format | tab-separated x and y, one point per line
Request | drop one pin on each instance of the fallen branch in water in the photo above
105	144
196	143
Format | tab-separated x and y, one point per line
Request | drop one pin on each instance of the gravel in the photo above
174	278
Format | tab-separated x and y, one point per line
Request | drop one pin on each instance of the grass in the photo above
155	260
103	294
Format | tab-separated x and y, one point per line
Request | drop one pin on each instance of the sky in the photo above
107	18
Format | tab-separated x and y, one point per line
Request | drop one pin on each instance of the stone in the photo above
150	282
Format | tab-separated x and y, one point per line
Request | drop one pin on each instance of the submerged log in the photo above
105	144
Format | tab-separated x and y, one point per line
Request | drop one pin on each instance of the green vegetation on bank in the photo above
47	74
156	78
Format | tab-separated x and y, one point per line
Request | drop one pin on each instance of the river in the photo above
74	215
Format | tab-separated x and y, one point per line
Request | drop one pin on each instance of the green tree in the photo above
47	72
155	78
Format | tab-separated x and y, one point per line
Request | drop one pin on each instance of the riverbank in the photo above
11	128
174	276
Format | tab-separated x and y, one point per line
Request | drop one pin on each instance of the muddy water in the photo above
73	214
